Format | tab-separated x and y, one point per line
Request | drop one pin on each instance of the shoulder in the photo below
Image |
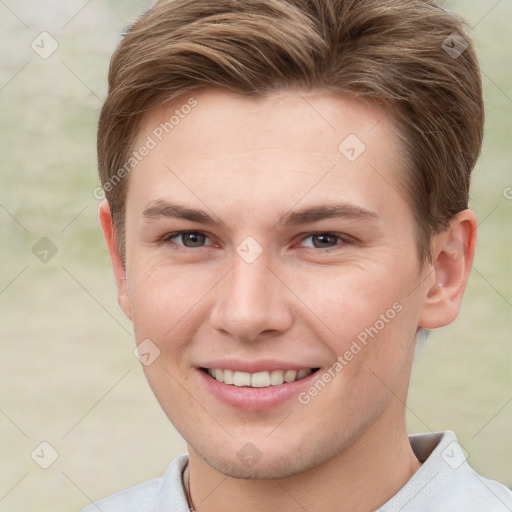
465	490
460	487
149	496
446	482
133	499
472	493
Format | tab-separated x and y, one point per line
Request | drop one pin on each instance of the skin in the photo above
248	163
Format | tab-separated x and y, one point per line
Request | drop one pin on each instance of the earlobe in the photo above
453	252
109	233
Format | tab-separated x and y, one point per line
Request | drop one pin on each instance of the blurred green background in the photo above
69	377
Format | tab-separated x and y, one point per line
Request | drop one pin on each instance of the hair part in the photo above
389	51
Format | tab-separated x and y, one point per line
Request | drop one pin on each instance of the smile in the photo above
259	379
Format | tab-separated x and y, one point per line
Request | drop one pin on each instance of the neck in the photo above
361	478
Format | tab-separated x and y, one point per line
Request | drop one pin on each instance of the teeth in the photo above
304	372
229	376
290	375
276	377
259	379
240	379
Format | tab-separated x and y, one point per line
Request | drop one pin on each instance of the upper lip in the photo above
260	365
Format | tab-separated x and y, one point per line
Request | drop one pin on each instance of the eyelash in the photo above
344	239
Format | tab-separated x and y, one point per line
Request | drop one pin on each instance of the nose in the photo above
251	302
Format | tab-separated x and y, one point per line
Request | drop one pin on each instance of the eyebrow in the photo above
163	208
328	211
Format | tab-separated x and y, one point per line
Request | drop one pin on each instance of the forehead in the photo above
280	148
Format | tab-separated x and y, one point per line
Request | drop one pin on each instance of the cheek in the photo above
166	300
370	316
350	299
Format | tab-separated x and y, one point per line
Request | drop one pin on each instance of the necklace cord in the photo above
188	495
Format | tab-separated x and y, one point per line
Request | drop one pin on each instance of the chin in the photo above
264	469
274	461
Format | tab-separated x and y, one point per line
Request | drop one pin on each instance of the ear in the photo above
109	233
453	252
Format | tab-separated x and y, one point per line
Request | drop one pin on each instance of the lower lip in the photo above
254	399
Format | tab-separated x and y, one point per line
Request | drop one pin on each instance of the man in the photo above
286	212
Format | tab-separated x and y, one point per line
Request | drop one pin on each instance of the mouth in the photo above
263	379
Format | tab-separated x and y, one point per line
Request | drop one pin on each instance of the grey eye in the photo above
190	239
322	240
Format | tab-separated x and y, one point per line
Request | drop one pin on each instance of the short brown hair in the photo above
412	56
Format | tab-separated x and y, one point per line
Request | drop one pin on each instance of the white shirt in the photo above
444	483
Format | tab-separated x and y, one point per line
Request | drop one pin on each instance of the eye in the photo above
187	238
323	240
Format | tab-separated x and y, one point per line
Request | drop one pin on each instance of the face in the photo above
268	243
